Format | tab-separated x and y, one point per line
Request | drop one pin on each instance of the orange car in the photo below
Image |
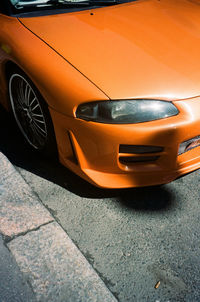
112	85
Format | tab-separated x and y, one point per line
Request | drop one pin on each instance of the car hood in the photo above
142	49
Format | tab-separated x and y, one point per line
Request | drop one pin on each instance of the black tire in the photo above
31	113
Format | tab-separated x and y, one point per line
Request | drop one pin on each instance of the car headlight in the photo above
126	111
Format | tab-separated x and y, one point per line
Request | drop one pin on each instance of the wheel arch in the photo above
8	67
51	148
11	66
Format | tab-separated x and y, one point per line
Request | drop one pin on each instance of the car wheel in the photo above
31	114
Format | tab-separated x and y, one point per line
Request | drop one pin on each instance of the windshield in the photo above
28	3
23	6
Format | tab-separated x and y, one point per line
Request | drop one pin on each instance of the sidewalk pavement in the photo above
13	285
38	260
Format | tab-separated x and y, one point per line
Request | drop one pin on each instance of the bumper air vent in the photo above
139	149
130	154
136	159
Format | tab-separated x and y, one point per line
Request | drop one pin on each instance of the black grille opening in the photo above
136	159
139	149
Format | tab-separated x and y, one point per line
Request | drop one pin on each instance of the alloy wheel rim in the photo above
27	111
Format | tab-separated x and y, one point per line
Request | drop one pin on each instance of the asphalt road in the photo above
133	238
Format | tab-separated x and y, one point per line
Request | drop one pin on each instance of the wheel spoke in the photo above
42	131
27	93
21	92
36	120
36	135
19	95
37	115
36	106
32	102
18	102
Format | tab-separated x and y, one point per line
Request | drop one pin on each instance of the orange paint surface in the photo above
145	49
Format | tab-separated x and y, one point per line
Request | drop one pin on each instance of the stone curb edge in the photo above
54	267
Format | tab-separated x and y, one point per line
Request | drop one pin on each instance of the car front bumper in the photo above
93	150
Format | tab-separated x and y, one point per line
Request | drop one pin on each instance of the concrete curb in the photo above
54	267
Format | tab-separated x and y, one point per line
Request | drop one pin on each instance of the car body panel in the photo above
62	86
142	49
100	161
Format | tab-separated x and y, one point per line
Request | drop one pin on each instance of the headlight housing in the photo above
126	111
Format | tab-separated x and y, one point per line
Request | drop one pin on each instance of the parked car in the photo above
112	86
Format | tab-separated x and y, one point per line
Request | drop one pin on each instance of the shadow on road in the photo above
18	152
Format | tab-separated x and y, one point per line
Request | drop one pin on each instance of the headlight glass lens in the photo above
126	111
